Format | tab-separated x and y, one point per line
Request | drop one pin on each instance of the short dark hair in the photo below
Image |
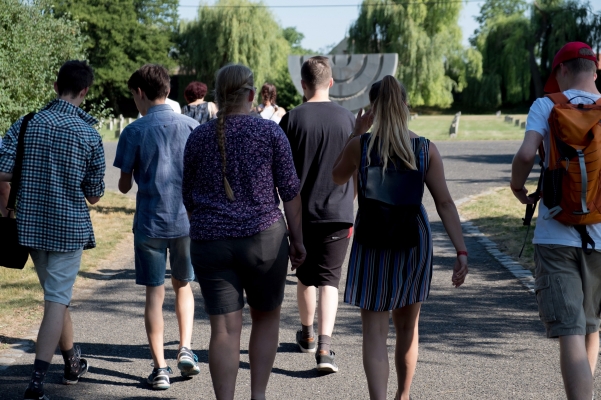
73	77
152	79
269	92
316	72
194	91
578	65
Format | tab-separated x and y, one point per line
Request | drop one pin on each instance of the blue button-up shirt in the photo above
152	148
63	163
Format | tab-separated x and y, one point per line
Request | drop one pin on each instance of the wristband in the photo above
462	253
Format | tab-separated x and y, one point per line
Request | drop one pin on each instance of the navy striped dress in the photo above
387	279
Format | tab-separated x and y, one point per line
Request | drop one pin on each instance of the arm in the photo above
4	193
293	210
522	165
93	182
347	163
126	182
436	182
5	177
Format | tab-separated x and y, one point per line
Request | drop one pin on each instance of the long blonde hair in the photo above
391	114
232	85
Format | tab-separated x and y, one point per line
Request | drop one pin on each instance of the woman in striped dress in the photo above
394	279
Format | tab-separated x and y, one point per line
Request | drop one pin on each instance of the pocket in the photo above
544	298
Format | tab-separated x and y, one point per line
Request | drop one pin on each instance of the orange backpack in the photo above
571	187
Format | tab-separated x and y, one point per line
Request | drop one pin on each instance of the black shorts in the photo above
326	246
257	265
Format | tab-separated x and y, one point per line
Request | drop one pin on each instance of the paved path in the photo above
481	341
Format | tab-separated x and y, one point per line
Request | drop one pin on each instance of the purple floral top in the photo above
259	160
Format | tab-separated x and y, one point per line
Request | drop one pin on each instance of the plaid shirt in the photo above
62	164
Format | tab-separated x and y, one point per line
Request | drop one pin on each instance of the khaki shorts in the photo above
568	289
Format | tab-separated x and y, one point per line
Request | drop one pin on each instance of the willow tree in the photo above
234	31
427	38
34	44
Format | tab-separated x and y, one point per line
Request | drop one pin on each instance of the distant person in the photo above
568	271
151	152
390	265
234	169
318	131
63	167
268	109
197	107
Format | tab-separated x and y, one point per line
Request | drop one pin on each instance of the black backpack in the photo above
389	204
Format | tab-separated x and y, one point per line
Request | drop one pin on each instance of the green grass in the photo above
499	216
471	127
21	297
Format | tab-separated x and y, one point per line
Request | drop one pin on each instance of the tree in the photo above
122	35
33	47
426	37
236	31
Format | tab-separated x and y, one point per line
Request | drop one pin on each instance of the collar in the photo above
159	107
65	107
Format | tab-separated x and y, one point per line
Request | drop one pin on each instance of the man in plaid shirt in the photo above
63	166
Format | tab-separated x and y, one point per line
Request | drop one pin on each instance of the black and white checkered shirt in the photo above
63	163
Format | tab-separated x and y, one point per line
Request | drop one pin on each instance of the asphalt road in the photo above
481	341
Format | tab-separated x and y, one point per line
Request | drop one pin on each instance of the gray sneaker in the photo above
325	362
187	362
305	345
159	379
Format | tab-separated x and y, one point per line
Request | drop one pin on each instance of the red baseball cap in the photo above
568	52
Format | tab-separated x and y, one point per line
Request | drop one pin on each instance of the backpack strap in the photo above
558	98
16	179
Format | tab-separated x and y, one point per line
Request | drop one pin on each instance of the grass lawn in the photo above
471	127
21	297
499	216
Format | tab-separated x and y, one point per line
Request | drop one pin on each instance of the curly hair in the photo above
194	91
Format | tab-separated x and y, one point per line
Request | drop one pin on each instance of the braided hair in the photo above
232	85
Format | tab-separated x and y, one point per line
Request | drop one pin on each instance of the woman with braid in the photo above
235	167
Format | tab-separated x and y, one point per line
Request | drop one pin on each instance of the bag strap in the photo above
558	98
16	179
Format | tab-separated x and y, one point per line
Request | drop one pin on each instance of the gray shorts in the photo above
568	289
257	265
57	272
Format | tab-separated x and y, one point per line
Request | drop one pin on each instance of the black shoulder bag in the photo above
389	206
12	254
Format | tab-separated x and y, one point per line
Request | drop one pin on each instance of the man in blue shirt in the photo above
63	166
151	151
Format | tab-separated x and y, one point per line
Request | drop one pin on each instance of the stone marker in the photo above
454	129
517	122
523	125
498	114
353	75
121	126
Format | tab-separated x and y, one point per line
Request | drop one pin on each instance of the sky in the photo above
326	26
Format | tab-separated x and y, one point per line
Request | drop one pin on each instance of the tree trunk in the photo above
535	73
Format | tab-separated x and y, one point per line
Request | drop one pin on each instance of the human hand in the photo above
363	122
522	195
459	271
297	254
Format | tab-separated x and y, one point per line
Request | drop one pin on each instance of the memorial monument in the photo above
353	75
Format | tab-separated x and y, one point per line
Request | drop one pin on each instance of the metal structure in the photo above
353	75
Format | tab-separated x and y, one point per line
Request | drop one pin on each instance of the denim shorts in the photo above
57	272
151	259
568	289
257	265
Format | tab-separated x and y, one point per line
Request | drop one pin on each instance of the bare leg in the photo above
375	353
328	305
306	297
224	353
406	321
575	367
51	330
66	339
153	320
262	349
184	309
591	341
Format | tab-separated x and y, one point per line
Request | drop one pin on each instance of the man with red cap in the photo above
568	280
